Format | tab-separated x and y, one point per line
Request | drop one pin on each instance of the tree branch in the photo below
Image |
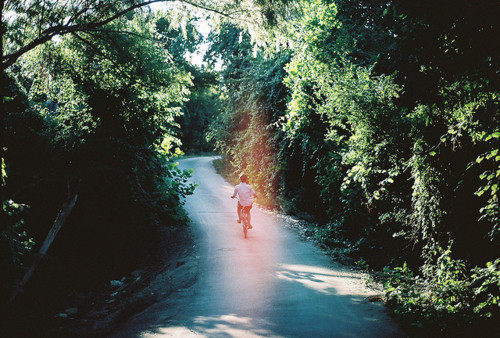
66	209
213	10
49	33
127	33
97	51
132	79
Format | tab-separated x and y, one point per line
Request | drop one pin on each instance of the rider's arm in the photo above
235	192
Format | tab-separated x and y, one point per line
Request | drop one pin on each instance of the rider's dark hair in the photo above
244	178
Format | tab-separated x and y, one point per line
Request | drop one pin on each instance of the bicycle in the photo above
245	211
245	221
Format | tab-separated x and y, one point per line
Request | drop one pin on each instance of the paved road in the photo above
271	284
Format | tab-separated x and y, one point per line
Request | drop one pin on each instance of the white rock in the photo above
116	284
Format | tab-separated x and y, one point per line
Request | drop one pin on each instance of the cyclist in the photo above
245	193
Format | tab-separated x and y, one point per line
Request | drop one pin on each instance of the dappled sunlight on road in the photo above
319	279
171	331
229	325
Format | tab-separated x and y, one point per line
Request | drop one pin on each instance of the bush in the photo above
444	296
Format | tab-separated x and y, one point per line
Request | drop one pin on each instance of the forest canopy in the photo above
89	114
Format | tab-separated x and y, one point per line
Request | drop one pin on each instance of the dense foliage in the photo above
379	120
91	114
197	113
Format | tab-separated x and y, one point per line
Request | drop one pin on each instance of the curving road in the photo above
272	284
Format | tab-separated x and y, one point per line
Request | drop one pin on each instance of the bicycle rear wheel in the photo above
244	223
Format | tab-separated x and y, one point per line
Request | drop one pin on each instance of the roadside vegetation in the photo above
88	117
379	122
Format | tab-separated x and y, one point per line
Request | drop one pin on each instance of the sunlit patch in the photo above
215	326
230	319
230	325
320	279
173	331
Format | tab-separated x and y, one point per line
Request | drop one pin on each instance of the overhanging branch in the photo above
58	30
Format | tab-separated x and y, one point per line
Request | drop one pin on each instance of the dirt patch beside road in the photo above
171	265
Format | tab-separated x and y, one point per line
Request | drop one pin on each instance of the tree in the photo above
203	106
92	113
30	24
253	100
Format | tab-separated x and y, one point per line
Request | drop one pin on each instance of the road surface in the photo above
271	285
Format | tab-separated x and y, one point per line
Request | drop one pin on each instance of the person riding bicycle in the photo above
245	193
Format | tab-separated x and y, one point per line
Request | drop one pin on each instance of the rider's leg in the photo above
249	217
238	210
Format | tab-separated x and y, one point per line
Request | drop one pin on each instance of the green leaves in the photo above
90	113
491	178
486	283
442	294
388	125
3	172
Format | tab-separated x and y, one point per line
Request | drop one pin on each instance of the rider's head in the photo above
244	178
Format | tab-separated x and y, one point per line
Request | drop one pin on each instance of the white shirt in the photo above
245	192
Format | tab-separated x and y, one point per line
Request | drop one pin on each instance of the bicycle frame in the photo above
244	220
245	223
